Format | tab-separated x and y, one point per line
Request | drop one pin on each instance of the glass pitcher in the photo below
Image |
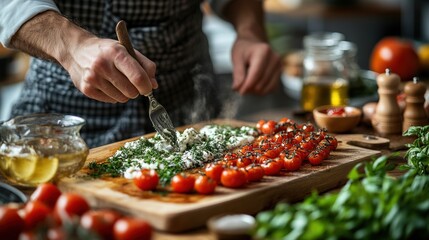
40	148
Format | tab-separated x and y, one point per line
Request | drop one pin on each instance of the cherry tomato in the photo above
308	127
272	153
244	161
233	178
11	224
271	168
259	125
46	193
205	185
291	162
182	183
254	173
147	179
132	228
396	54
269	127
315	158
214	171
69	205
28	235
100	222
35	212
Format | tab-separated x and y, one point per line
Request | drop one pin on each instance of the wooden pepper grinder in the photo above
414	114
388	116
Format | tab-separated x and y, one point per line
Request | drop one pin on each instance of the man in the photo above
81	69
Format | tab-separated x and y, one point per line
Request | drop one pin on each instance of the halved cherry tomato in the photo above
100	221
214	171
35	212
271	167
132	228
205	185
233	178
46	193
147	179
182	183
69	205
254	173
11	224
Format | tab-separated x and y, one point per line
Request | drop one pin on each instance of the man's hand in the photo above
101	69
256	67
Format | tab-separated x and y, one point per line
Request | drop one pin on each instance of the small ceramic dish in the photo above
231	226
337	119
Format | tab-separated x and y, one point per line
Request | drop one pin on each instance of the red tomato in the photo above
35	212
146	180
244	161
214	171
233	178
271	168
28	235
132	228
11	224
46	193
182	183
269	127
259	125
69	205
254	173
396	54
100	222
316	157
291	162
205	185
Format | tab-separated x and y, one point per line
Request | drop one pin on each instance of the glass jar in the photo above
351	67
40	148
325	81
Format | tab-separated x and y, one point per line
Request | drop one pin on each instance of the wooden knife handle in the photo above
124	38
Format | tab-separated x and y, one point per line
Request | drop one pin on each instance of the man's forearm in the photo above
247	16
50	36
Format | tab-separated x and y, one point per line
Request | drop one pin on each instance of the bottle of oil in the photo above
325	81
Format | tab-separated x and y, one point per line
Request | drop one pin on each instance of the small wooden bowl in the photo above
337	123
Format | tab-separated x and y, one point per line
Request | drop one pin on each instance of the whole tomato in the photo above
46	193
147	179
233	178
396	54
100	222
205	185
35	212
11	224
69	205
182	183
132	228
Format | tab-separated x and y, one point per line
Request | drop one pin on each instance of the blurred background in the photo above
363	22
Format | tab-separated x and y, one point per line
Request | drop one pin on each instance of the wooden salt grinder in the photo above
414	114
388	116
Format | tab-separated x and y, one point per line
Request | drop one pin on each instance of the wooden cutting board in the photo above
181	212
